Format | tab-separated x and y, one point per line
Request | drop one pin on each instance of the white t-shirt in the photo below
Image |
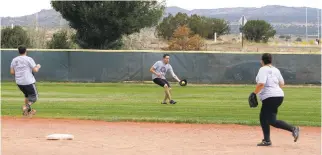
271	77
23	66
162	68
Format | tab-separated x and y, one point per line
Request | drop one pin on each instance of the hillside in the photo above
46	18
286	20
271	13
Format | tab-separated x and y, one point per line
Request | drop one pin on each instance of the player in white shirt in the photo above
22	67
159	71
269	88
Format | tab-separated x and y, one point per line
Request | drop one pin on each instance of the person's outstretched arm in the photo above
173	74
35	68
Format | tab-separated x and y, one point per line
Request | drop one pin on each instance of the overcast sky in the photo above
16	8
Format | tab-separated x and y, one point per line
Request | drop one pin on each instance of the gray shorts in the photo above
30	92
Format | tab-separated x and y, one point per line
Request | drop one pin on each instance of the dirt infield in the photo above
27	136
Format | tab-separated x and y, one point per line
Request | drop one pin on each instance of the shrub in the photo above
281	37
59	41
13	37
298	39
312	42
182	40
201	25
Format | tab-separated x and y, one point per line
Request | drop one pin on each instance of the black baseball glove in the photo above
252	100
183	82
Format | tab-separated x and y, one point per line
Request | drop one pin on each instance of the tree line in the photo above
101	25
201	25
13	37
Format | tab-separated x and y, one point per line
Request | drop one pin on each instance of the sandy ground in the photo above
27	136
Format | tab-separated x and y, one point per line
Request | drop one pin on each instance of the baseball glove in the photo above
252	100
183	82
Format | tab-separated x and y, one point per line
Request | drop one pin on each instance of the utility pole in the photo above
242	22
306	24
318	16
242	40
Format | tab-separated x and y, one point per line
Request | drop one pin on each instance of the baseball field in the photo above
127	118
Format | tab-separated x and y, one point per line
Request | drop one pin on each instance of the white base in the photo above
60	137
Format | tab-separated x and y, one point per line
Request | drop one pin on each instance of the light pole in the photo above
306	24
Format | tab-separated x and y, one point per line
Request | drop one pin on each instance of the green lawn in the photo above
141	102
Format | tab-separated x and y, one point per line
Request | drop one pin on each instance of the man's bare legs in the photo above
26	108
165	98
167	91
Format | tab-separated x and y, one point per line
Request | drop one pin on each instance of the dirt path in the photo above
27	136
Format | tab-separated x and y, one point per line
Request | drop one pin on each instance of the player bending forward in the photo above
22	67
159	70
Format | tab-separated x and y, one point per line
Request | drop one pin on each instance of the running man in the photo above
159	70
22	67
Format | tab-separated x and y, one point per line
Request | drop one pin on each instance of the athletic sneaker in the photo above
264	143
25	110
173	102
32	112
164	103
296	133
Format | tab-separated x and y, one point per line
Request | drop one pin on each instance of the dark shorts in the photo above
29	90
161	82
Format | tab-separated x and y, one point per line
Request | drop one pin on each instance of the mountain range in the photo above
270	13
286	20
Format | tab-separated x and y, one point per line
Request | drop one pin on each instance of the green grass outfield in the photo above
141	102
